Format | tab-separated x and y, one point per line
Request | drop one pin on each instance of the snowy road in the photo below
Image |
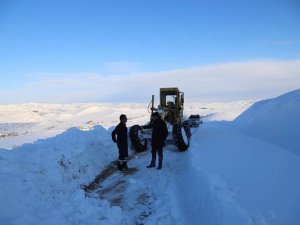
143	194
181	193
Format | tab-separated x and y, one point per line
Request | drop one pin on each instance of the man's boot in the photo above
120	165
125	165
159	164
152	164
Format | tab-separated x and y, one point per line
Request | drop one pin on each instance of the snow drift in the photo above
40	182
276	120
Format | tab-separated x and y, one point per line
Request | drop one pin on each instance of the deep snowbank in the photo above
276	120
260	177
40	182
249	180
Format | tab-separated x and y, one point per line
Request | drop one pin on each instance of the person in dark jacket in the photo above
119	136
159	135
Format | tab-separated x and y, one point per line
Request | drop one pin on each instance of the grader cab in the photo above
171	105
170	109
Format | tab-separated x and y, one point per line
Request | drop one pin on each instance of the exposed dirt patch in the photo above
109	170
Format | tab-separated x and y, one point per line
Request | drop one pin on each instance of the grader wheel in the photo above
181	135
138	142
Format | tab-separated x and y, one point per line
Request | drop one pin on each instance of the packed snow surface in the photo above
234	172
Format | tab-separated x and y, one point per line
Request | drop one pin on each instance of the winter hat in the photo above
123	116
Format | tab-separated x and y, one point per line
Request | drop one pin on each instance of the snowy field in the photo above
26	123
242	166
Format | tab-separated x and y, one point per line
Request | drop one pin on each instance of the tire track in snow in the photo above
125	190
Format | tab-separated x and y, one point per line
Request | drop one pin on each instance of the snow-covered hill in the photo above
276	120
225	178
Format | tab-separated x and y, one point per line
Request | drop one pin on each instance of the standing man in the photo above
121	132
159	135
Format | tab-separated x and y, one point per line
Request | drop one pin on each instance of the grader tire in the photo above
181	135
187	128
138	144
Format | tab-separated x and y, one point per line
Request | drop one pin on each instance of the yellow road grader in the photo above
170	110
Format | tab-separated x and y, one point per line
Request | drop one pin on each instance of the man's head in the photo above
123	118
155	115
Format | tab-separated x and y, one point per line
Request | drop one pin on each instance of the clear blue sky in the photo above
122	36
